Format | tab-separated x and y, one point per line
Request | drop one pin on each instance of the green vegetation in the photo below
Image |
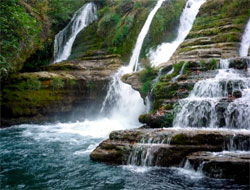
19	33
33	84
146	76
164	25
61	11
116	30
22	96
56	83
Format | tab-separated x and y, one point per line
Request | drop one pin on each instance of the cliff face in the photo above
216	32
72	88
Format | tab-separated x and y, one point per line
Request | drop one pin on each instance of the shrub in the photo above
4	67
146	76
33	84
57	83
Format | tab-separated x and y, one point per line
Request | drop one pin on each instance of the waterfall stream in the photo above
164	51
123	100
201	108
245	43
65	38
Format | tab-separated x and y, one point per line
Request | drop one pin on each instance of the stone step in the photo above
234	165
169	144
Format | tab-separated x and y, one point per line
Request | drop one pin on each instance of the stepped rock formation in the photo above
170	147
216	32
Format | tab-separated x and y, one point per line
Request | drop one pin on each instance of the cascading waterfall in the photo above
200	108
65	38
245	43
164	51
143	154
126	102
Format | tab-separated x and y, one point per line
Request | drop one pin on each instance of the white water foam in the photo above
200	108
164	51
245	42
126	106
64	39
123	100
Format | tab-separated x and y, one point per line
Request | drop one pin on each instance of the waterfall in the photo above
65	38
245	43
136	52
203	106
123	100
181	72
164	51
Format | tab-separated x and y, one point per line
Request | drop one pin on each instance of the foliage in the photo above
146	76
107	22
40	58
122	30
61	11
18	29
146	87
213	64
5	67
72	82
33	84
56	83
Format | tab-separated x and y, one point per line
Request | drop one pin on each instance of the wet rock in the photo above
232	165
237	94
239	63
220	109
157	120
169	146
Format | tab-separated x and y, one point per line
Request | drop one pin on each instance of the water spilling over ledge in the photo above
64	39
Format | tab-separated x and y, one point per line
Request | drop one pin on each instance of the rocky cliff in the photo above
64	91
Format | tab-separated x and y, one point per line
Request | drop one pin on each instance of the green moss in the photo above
22	102
179	139
164	25
56	83
146	76
72	82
